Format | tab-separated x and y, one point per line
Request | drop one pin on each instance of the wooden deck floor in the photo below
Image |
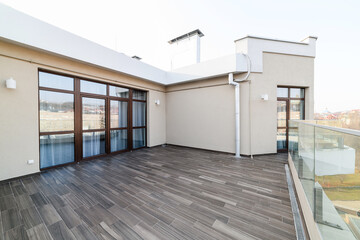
157	193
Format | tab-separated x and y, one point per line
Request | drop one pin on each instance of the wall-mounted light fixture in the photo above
264	97
157	102
10	83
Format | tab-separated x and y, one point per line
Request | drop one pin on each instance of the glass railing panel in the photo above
302	150
327	161
337	177
306	151
294	141
306	171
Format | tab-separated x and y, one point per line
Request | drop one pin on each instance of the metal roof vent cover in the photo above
185	49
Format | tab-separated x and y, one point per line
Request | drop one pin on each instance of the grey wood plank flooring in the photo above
156	193
39	232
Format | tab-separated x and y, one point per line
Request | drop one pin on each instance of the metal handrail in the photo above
335	129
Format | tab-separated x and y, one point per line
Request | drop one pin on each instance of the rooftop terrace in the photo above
156	193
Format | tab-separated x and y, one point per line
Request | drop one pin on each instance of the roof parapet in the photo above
304	41
255	46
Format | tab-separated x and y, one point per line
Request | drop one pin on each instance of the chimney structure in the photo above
185	49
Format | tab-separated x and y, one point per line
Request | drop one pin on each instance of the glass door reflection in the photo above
118	125
93	126
82	118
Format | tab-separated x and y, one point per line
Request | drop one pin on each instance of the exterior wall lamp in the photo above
157	102
10	83
265	97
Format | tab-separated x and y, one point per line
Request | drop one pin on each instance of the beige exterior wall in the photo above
19	139
156	134
19	132
201	114
279	70
245	124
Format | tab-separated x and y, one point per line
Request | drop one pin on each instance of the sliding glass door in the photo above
93	126
93	114
81	119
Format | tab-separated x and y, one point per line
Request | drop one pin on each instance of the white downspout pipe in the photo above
237	114
235	82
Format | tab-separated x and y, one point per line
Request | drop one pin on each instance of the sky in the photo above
144	27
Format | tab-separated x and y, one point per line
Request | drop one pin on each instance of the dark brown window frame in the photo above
287	100
132	127
78	124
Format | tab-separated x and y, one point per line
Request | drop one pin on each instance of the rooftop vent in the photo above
187	35
136	57
185	49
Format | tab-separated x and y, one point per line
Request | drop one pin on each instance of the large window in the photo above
93	113
57	120
80	118
290	106
56	111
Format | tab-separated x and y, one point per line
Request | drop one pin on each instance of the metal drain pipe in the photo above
236	83
237	114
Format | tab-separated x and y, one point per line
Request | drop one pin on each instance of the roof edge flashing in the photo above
255	46
276	39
